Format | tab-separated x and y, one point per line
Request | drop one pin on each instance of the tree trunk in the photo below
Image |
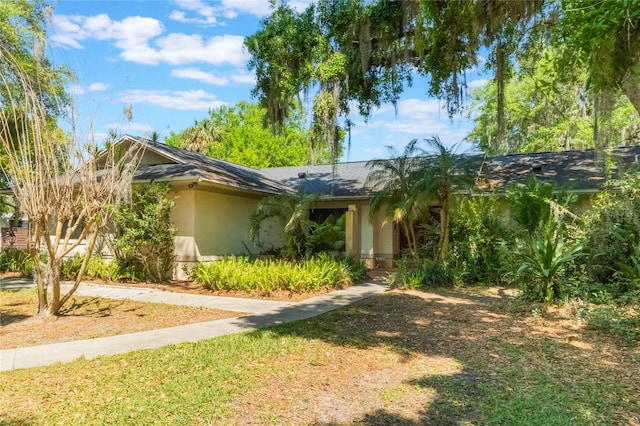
631	88
445	218
54	276
38	277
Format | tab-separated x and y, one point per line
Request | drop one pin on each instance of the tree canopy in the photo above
364	53
22	41
546	111
240	133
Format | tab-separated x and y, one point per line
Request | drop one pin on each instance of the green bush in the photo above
543	262
70	267
98	268
143	244
481	242
268	275
17	261
428	274
611	236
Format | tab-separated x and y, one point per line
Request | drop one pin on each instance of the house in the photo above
214	199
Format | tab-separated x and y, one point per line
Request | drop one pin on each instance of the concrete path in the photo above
261	314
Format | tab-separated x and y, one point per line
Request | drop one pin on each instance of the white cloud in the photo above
129	127
192	100
207	13
258	8
244	77
199	75
474	84
98	87
179	48
138	39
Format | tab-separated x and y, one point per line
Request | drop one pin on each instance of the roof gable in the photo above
183	165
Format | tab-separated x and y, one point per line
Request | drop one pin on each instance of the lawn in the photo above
462	356
88	318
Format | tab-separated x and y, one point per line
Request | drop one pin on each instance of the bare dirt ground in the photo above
20	326
88	318
414	358
438	357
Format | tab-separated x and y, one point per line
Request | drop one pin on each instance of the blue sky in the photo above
174	60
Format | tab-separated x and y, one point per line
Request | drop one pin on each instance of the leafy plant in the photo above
543	262
611	234
530	204
392	181
329	235
426	274
625	324
481	242
143	244
70	267
293	209
17	261
268	275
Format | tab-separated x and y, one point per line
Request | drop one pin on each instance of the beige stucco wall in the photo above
153	158
377	238
222	223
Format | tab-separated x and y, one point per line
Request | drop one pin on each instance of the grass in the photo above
447	357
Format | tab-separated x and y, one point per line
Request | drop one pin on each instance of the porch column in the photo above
352	234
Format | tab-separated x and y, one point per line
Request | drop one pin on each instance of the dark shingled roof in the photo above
348	181
579	171
201	167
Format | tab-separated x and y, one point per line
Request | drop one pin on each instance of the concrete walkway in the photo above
261	313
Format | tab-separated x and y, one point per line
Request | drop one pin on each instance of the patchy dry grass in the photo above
439	358
88	318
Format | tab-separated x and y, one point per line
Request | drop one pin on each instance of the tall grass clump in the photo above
268	275
16	261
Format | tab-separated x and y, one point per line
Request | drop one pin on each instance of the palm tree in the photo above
393	182
293	209
154	137
439	176
200	136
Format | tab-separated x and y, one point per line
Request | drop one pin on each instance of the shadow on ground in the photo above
503	354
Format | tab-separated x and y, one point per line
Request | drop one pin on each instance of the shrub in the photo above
102	269
268	275
611	235
97	267
623	323
427	274
70	267
543	262
143	245
480	242
17	261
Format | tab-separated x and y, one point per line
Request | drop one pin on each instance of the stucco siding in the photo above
153	158
384	241
222	223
